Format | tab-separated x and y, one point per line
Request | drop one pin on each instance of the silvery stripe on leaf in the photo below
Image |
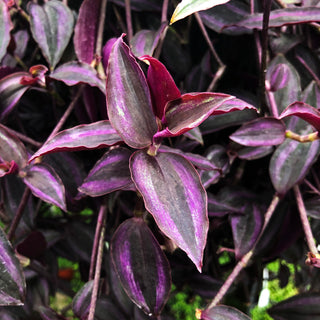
5	28
188	7
265	131
245	229
51	27
142	267
85	31
192	109
291	162
12	282
109	174
72	73
128	98
174	195
253	153
11	91
162	86
281	17
45	184
86	136
278	76
11	148
304	306
303	111
222	312
197	160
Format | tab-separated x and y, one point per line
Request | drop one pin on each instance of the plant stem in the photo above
264	40
313	74
24	138
66	113
305	222
164	11
129	20
246	258
101	27
100	223
18	215
96	280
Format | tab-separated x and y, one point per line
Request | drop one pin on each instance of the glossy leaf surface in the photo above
11	148
191	110
281	17
12	281
141	265
222	312
110	173
303	111
72	73
188	7
45	184
128	98
174	195
260	132
11	90
5	28
162	86
300	307
85	31
51	26
81	301
291	162
87	136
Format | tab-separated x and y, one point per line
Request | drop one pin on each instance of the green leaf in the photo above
187	7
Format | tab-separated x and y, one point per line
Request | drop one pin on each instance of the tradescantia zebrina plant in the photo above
158	153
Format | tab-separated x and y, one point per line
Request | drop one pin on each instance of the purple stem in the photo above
25	138
315	77
96	280
164	11
18	215
100	223
245	259
129	20
305	222
101	27
66	113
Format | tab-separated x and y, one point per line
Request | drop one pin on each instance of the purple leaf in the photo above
204	285
289	93
246	228
162	86
5	28
260	132
279	76
174	195
81	301
85	31
222	312
145	42
11	148
291	162
281	17
45	184
11	90
72	73
12	281
253	153
304	306
218	207
47	313
86	136
128	98
197	160
142	267
303	111
230	13
106	51
191	110
313	207
109	174
51	26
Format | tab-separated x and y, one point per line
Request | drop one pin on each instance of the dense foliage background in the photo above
159	159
